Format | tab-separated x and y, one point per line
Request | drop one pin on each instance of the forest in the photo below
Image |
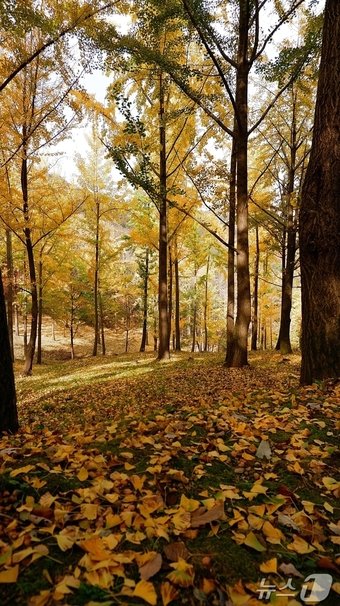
169	302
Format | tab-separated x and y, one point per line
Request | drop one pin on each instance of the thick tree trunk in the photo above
10	288
320	218
30	349
96	338
177	307
8	408
163	324
40	310
239	355
145	302
254	327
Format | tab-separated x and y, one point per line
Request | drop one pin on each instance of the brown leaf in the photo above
151	568
200	519
176	550
290	570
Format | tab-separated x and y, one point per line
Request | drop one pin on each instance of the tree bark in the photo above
102	327
320	218
145	302
8	408
30	350
283	343
96	278
205	310
10	288
231	255
177	306
239	354
163	324
254	327
40	310
170	292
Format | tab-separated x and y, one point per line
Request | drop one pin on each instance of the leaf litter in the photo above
119	504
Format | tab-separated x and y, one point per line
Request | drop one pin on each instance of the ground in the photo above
135	482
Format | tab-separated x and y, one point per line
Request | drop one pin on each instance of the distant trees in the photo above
320	218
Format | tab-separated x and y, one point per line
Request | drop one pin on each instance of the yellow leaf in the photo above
21	555
82	474
299	545
40	600
89	511
65	541
336	587
146	591
168	592
189	504
328	507
269	566
25	469
10	575
272	534
330	483
252	541
183	573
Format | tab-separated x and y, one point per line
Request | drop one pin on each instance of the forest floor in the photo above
135	482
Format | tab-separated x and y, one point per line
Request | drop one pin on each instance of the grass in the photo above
113	432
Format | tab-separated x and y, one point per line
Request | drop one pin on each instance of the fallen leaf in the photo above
146	591
10	575
151	567
252	541
201	518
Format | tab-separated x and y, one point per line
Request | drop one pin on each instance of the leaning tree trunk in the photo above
8	408
163	324
30	349
320	218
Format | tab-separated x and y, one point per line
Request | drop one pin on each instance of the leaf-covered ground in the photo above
132	482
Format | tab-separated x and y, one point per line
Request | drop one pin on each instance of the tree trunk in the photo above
205	310
145	302
284	344
72	329
96	277
254	327
40	310
30	350
170	292
231	255
163	324
239	355
177	307
10	288
8	408
102	327
320	218
194	314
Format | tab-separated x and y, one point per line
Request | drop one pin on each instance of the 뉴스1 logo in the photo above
315	589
